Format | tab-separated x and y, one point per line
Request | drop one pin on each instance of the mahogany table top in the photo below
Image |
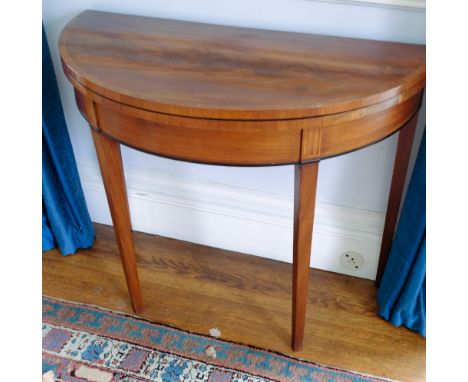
211	71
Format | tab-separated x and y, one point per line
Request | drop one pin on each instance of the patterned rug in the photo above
86	343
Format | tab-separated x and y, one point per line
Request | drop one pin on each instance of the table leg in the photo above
305	184
110	162
403	153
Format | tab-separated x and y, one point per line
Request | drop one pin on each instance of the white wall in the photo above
358	181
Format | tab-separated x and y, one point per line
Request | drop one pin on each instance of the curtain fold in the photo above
402	293
65	219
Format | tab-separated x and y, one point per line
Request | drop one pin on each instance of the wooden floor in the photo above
248	298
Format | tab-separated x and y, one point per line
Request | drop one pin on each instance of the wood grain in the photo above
237	96
248	298
402	157
304	206
210	141
213	71
110	162
245	143
343	133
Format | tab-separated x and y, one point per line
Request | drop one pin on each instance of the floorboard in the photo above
247	298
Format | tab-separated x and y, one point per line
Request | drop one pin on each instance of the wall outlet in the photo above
352	260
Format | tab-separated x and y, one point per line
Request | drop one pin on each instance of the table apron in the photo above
245	142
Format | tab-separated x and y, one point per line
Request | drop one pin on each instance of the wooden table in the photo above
240	97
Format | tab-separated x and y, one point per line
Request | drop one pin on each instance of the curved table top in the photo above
219	72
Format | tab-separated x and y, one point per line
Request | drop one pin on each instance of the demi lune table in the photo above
239	97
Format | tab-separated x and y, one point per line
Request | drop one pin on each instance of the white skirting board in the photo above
238	219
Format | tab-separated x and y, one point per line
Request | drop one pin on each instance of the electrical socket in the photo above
352	260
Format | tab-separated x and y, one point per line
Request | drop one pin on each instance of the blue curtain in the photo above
65	219
402	293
